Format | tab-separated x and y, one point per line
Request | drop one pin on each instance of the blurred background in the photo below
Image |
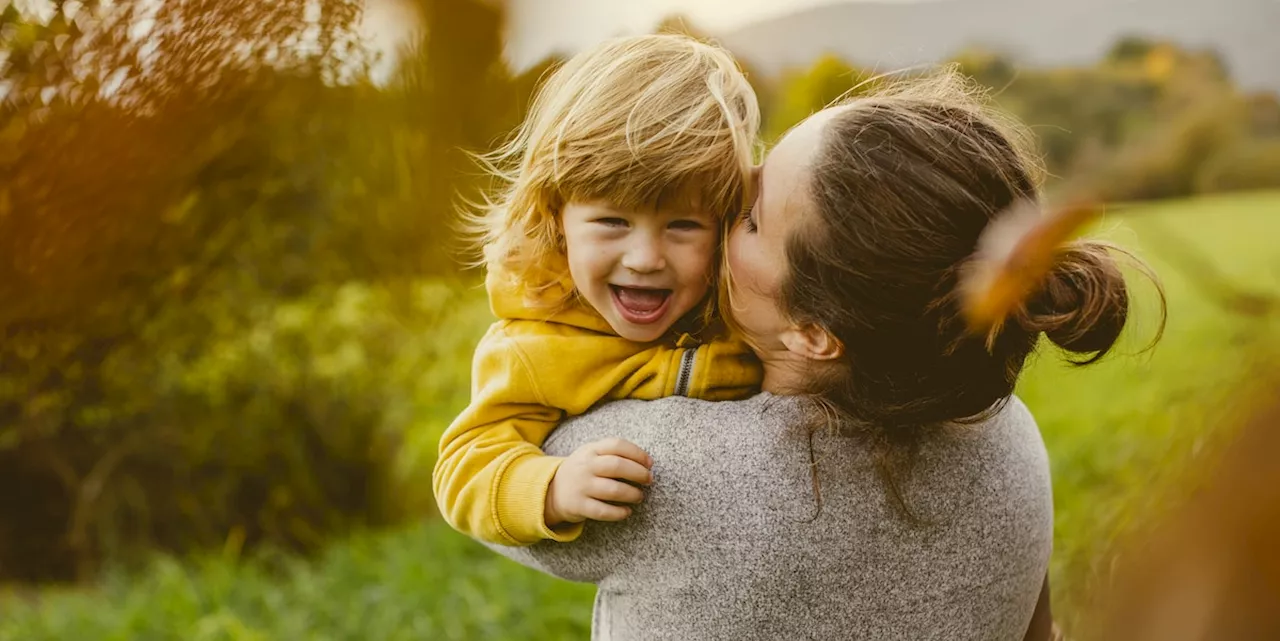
233	324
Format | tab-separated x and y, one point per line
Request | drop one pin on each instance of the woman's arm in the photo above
585	560
1042	627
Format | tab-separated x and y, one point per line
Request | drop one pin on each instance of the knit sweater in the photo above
737	539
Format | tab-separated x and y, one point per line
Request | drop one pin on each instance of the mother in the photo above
886	484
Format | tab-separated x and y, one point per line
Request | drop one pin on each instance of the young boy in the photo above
602	254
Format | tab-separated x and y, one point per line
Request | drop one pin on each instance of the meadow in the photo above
1125	437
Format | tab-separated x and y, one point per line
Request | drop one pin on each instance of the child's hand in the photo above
590	476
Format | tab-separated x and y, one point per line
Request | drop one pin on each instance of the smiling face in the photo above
641	270
756	249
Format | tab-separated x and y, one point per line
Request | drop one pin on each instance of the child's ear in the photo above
813	342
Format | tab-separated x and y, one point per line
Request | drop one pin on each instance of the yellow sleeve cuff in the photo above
520	501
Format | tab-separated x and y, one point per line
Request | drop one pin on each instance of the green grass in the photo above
422	583
1121	436
1127	435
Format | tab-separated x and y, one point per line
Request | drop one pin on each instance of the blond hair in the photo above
634	121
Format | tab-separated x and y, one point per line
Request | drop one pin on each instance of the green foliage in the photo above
1072	110
1130	436
453	93
226	279
1248	165
1142	124
426	582
1151	120
1129	49
990	68
1222	143
247	417
1167	163
801	94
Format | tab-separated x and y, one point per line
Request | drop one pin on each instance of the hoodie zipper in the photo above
686	371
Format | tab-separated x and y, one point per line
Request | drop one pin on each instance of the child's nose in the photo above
644	257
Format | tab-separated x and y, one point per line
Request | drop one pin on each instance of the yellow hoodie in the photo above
533	370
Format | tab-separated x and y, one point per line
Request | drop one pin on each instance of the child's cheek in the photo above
706	257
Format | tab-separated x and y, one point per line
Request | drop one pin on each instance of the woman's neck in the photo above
786	373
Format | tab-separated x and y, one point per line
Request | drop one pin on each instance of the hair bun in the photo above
1083	303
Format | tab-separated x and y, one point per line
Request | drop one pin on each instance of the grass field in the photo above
1122	436
1127	435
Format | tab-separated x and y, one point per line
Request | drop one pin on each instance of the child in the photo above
601	254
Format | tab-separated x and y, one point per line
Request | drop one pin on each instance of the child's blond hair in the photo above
634	121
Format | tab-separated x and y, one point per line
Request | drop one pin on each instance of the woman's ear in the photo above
813	342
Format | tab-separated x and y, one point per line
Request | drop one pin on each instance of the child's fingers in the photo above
616	467
601	511
615	491
625	449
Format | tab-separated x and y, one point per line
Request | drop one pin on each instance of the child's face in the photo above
641	270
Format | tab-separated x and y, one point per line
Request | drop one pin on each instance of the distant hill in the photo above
888	36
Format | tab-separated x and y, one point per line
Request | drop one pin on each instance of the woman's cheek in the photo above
739	260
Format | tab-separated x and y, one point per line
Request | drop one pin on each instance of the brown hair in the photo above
904	185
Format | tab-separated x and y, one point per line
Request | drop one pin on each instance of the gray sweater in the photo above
731	542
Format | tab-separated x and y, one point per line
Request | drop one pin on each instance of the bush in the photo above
224	281
1250	165
803	93
1167	162
269	420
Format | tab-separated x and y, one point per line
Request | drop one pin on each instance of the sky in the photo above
538	28
541	27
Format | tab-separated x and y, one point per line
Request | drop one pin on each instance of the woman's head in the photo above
847	265
659	124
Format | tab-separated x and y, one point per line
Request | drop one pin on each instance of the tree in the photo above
1129	49
458	96
989	68
164	193
802	94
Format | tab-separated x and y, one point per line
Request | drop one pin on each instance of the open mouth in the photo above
640	305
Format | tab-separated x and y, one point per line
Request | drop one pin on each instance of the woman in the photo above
886	484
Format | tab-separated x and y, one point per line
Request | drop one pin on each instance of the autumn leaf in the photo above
1015	254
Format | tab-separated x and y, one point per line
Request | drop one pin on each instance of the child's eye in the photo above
685	225
611	222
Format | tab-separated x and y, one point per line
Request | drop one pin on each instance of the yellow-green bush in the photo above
276	420
1249	165
230	295
1150	120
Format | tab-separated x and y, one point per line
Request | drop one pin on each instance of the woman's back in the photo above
732	543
